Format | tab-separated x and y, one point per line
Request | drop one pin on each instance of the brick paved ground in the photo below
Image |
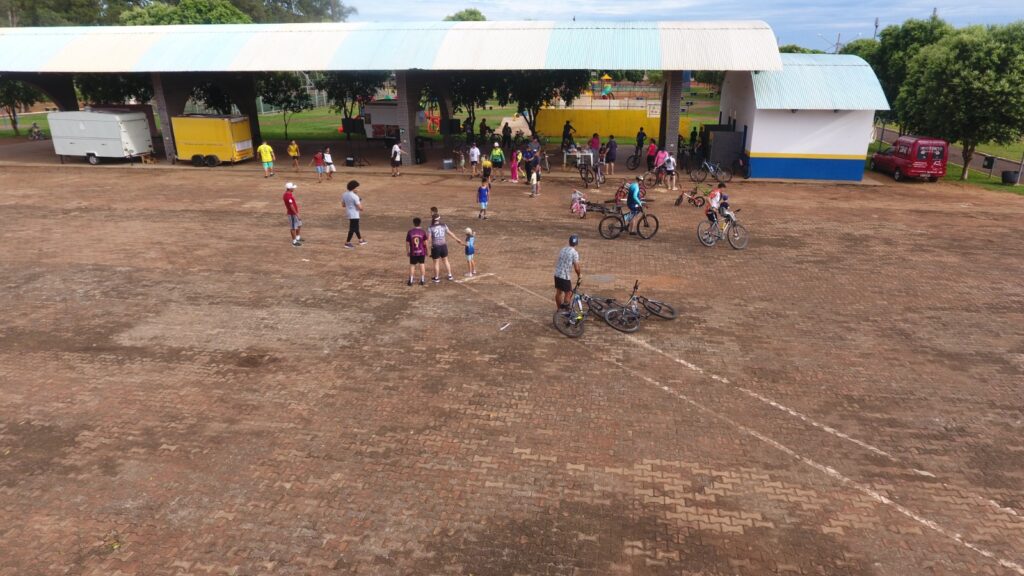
182	392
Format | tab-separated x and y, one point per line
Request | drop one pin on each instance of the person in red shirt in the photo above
293	214
319	163
416	249
652	153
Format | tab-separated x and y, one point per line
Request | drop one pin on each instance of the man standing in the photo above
416	248
567	132
353	206
641	137
293	153
568	261
396	159
439	246
612	152
293	214
267	156
506	136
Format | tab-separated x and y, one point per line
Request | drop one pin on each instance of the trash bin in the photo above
1010	177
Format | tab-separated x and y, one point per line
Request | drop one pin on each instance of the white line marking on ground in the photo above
831	472
506	325
472	278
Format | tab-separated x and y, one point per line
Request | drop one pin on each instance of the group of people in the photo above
604	153
524	161
350	200
322	161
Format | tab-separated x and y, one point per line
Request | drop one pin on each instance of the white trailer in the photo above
100	134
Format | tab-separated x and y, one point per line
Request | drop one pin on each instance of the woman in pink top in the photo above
659	158
652	151
595	144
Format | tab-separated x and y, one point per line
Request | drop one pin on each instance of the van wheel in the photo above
212	161
198	161
92	159
897	175
933	178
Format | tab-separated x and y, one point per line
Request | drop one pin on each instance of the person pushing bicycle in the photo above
633	201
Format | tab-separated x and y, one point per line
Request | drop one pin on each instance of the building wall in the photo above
738	102
623	124
810	144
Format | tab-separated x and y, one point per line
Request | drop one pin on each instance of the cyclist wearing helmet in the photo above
633	201
568	261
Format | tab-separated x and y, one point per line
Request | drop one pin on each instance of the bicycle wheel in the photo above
622	319
587	175
632	162
698	201
724	175
600	178
706	233
544	163
647	226
738	236
660	309
699	175
567	322
611	226
650	180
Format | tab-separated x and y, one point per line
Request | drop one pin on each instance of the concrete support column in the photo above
171	93
671	95
409	86
242	91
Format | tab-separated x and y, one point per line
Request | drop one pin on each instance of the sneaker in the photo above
349	245
423	282
485	217
296	244
450	277
436	280
408	283
361	242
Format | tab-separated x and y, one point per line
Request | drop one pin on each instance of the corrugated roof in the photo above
819	82
727	45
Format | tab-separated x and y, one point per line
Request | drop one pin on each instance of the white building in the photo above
811	120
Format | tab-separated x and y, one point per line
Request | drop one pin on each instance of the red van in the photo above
913	157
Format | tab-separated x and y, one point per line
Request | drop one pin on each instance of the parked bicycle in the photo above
633	162
590	174
725	226
613	225
713	169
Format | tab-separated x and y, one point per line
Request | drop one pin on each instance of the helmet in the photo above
639	178
495	144
574	240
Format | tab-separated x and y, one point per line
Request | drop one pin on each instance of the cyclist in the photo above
633	202
35	132
716	199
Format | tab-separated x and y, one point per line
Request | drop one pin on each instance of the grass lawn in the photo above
24	122
1010	151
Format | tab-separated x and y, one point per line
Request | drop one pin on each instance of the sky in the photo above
809	24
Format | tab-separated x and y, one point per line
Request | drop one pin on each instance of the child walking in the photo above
470	251
483	194
514	165
535	182
318	163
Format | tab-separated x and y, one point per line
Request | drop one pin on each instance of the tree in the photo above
533	89
15	95
797	49
185	12
474	89
287	91
863	47
897	45
710	77
967	88
347	89
114	88
268	11
467	15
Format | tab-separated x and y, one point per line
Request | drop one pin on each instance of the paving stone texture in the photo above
183	392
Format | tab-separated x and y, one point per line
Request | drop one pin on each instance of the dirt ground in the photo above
183	392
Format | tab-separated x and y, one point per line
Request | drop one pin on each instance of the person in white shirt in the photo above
474	159
396	159
329	163
670	171
353	207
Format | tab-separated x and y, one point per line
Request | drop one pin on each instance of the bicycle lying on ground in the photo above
626	317
614	224
725	226
714	169
693	197
569	321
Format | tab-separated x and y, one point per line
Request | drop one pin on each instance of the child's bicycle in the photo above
623	191
694	197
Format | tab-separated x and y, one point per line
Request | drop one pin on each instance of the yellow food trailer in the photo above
208	140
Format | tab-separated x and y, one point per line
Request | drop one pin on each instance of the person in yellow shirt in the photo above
267	156
293	152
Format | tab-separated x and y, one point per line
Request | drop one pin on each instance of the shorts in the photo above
268	165
438	252
417	259
563	284
294	222
483	205
487	173
473	163
320	169
498	163
396	163
610	158
330	168
469	257
670	172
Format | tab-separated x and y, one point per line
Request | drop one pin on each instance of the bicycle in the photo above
589	175
692	197
625	317
713	169
727	226
570	321
652	179
741	166
657	308
623	191
634	160
38	135
613	225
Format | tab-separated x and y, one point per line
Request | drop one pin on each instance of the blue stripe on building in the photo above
807	168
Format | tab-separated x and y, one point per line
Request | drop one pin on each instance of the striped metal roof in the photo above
819	82
727	45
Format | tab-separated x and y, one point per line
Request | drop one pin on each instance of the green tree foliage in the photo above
92	12
467	15
15	95
185	12
472	90
897	45
287	91
347	89
533	89
863	47
797	49
710	77
967	88
268	11
113	88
